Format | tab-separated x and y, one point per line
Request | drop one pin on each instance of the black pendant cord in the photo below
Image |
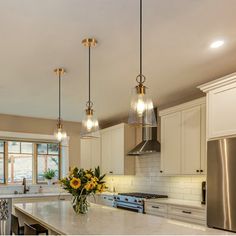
141	41
59	97
89	78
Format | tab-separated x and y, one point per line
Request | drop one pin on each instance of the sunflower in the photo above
75	183
94	179
90	185
88	176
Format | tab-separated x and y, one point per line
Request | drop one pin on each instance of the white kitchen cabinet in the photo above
191	140
221	100
183	139
156	209
90	156
116	141
171	143
187	214
176	212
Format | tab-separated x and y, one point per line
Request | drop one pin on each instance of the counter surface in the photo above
60	217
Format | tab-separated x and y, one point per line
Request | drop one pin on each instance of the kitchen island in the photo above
59	218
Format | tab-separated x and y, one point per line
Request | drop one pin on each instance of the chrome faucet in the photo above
25	187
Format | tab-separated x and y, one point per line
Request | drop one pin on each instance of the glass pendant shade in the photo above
90	126
60	133
141	109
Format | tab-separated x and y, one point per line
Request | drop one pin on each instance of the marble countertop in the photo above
172	201
33	195
60	217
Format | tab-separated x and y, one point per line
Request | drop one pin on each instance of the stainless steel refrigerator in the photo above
221	184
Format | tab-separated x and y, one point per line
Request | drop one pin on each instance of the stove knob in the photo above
139	201
126	199
118	198
135	200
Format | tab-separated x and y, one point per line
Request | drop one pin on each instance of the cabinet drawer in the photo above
188	213
156	209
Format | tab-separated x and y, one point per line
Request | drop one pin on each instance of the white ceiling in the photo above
37	36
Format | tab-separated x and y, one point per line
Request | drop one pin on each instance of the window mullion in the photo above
35	164
5	162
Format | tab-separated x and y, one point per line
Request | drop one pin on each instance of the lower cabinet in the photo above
102	199
176	212
156	209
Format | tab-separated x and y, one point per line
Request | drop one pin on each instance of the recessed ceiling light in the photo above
217	44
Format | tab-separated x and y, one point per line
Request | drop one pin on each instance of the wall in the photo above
148	179
44	126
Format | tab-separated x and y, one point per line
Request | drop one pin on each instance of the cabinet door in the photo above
171	144
95	153
221	111
106	152
85	153
191	140
117	145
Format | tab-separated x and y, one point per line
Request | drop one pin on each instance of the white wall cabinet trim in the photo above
183	106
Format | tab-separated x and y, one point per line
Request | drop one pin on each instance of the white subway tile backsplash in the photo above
148	179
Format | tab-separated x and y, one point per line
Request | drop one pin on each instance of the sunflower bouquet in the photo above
80	184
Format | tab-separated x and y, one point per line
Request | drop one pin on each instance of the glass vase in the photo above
80	204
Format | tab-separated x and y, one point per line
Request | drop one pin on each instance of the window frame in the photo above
4	163
34	159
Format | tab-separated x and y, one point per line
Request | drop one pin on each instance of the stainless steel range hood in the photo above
149	142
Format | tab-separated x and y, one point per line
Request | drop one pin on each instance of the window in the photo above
47	158
28	160
2	163
20	161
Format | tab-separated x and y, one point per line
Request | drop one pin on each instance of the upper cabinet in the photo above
171	143
221	112
116	141
183	139
90	154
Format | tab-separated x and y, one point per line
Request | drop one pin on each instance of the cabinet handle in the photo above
111	172
187	212
157	207
161	171
197	170
201	170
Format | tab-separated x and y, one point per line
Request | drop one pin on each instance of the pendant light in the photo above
141	107
90	125
59	133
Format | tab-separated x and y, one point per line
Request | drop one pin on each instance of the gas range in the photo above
134	201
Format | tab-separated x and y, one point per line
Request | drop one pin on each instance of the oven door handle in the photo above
124	206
